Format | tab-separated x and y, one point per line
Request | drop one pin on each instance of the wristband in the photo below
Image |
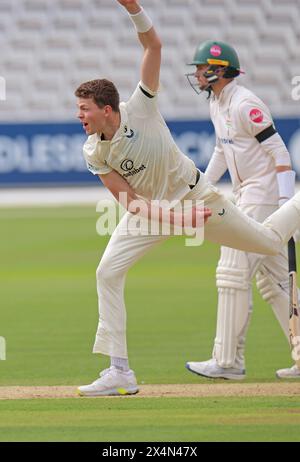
141	21
286	185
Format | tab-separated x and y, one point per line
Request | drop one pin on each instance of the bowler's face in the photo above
90	115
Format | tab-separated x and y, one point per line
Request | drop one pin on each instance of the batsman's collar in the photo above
227	92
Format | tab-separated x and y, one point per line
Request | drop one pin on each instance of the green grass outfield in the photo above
157	419
49	317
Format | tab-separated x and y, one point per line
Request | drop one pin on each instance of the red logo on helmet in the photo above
256	115
215	50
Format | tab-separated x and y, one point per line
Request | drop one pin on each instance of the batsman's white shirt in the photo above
143	151
239	116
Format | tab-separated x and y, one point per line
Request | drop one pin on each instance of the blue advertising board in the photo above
45	154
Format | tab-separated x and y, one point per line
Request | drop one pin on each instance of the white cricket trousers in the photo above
232	228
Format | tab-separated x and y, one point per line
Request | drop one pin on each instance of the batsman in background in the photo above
134	137
259	164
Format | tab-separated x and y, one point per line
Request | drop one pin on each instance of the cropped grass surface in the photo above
49	317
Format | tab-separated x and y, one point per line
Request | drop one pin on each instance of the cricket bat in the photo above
294	326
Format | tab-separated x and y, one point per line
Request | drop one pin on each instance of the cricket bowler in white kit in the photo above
131	149
259	164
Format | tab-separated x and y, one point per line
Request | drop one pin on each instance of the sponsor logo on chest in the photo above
128	167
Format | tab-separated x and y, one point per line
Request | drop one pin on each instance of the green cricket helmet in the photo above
218	55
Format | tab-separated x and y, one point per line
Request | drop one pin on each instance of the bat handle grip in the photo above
292	255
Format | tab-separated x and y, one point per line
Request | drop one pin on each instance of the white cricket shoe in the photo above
289	373
212	370
112	381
